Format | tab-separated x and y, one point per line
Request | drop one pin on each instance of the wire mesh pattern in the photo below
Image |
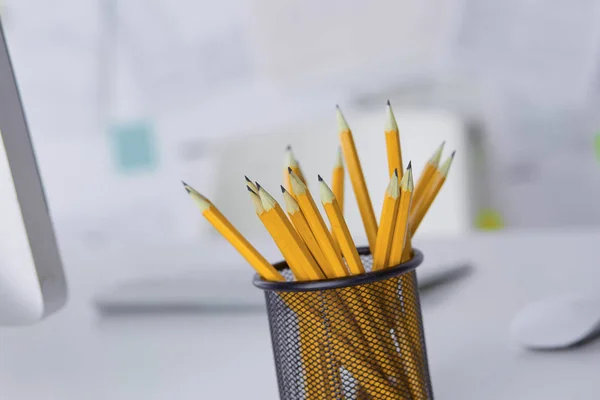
361	342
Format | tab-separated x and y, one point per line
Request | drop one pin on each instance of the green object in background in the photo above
134	146
489	220
597	145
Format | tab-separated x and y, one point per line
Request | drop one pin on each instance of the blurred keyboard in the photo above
218	292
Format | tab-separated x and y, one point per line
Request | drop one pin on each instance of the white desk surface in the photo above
75	355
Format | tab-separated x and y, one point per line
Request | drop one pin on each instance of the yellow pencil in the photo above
394	318
407	251
337	180
337	186
438	179
401	225
366	314
291	162
409	338
340	229
282	231
387	220
301	225
288	255
358	180
427	174
336	268
233	236
392	143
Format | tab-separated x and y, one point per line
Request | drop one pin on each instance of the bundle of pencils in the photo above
315	251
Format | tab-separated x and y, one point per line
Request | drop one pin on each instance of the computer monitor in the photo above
32	282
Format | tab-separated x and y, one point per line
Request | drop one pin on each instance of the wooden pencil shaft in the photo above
394	153
419	213
400	230
337	180
288	254
309	239
423	183
401	227
298	257
309	263
337	186
392	143
272	226
358	181
323	236
428	172
360	189
384	236
319	229
343	237
407	252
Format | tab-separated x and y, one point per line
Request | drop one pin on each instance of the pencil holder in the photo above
359	337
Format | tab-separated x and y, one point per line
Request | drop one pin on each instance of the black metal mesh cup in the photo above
359	337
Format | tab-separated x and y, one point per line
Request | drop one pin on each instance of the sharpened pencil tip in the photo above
396	172
390	121
342	124
187	189
288	147
319	177
184	184
409	165
247	179
437	156
337	106
445	167
257	185
290	170
282	188
250	189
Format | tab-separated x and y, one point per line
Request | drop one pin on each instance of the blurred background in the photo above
125	98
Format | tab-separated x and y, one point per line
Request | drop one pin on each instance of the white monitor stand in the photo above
32	282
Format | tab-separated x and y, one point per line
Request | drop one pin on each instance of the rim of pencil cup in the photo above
337	283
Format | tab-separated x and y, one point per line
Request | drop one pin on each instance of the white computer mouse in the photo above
557	322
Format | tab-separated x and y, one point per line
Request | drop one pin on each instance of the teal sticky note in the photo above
134	146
